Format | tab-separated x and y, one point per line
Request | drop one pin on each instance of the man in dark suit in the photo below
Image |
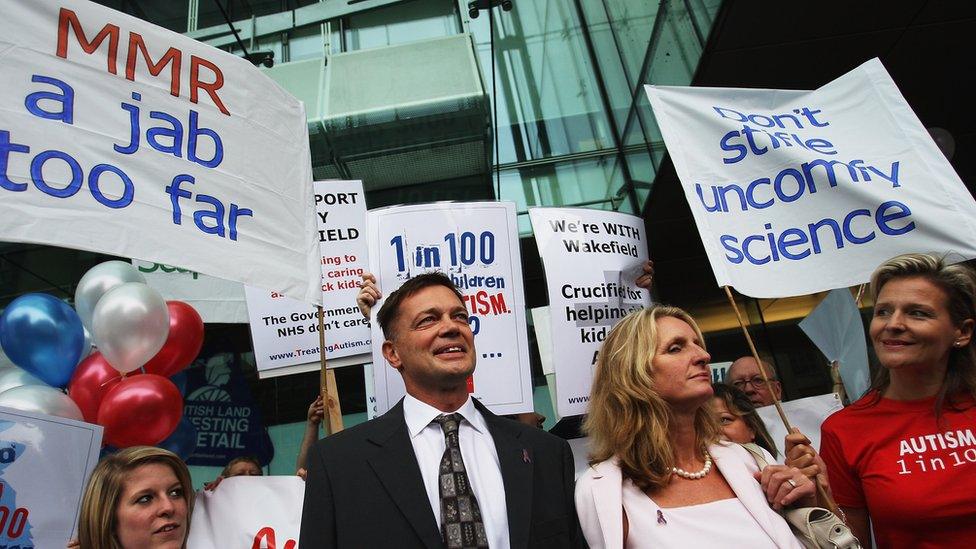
439	469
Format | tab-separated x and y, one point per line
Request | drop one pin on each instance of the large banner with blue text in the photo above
44	464
796	192
592	259
476	244
285	331
121	137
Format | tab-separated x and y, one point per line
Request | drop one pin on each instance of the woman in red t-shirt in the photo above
904	456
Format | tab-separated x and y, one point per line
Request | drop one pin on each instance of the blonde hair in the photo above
627	418
958	281
97	521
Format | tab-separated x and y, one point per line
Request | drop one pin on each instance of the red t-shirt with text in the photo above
916	475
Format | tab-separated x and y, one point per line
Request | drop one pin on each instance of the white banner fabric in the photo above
121	137
248	512
368	379
476	244
806	414
543	338
285	331
591	258
796	192
44	465
217	300
836	328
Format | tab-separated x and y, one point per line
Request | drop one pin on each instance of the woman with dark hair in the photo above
655	439
738	418
904	455
137	497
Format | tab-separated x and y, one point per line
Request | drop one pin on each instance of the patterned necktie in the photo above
461	525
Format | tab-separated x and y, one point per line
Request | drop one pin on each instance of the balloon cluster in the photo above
124	385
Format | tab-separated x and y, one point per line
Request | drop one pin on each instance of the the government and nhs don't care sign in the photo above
797	192
121	137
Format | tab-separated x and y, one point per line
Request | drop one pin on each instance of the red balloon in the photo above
93	377
140	410
183	343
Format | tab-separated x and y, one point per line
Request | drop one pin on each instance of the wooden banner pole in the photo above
838	381
822	494
755	355
327	386
860	294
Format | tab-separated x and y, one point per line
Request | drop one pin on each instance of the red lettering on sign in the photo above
172	57
210	87
68	21
267	536
68	17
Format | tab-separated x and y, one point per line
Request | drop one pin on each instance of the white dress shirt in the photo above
480	461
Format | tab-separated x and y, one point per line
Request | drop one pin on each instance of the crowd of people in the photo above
675	461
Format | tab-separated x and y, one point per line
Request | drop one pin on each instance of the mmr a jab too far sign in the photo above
139	142
796	192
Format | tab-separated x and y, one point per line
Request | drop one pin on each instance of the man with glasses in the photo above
744	375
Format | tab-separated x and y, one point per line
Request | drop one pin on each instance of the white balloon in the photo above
11	376
98	281
87	348
130	325
42	399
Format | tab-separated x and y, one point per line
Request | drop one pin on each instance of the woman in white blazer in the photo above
659	475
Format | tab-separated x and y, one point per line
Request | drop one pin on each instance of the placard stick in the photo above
860	294
755	355
838	381
327	385
824	498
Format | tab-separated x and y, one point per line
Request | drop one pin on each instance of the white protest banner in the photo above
368	380
798	192
806	414
581	454
836	328
476	244
121	137
591	258
543	337
44	465
285	331
248	512
216	299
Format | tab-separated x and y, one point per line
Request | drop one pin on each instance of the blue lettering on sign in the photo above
15	527
60	175
797	243
762	133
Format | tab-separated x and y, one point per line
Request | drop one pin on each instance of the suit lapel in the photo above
515	461
608	501
396	466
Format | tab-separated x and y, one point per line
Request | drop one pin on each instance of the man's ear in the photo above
777	388
391	355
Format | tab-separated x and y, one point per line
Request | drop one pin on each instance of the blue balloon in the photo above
183	441
44	336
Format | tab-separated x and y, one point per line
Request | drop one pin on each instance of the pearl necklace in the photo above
694	476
